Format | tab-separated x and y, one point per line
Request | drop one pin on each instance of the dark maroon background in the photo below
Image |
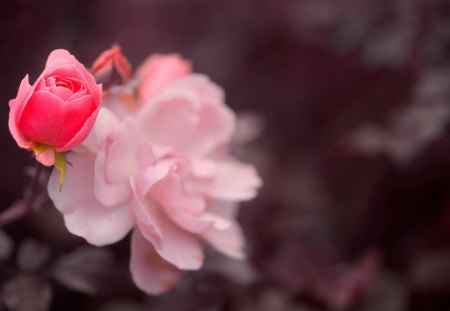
337	226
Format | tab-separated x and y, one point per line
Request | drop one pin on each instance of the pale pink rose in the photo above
58	111
162	170
158	71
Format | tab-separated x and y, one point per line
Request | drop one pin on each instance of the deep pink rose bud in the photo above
58	111
111	68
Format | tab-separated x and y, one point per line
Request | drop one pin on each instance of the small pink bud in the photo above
108	64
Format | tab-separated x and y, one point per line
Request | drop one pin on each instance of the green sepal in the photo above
60	165
38	148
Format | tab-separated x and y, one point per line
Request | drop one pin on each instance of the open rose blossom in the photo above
58	111
162	171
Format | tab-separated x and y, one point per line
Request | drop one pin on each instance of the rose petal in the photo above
189	116
99	225
59	55
78	183
16	107
75	115
46	157
61	92
158	71
42	118
82	133
172	243
170	119
182	208
151	274
126	152
169	192
228	240
84	215
234	181
108	192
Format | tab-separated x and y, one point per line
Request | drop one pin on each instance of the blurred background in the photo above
344	108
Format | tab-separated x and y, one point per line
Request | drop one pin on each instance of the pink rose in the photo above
58	111
158	71
163	171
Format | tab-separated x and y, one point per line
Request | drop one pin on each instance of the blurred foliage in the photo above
350	99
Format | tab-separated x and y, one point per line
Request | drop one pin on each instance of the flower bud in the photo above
58	111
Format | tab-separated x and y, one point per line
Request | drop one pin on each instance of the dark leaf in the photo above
32	255
86	269
25	293
6	245
431	271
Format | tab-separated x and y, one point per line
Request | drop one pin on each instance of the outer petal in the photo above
78	184
16	107
229	240
47	157
149	271
188	116
234	181
109	193
84	215
59	55
175	245
170	119
158	71
99	225
82	133
40	123
217	121
75	116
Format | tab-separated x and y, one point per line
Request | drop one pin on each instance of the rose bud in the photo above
111	68
57	112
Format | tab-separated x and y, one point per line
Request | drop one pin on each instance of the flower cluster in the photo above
155	162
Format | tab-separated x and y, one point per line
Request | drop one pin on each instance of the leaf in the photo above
239	271
32	255
26	293
431	271
87	269
6	245
386	293
123	305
